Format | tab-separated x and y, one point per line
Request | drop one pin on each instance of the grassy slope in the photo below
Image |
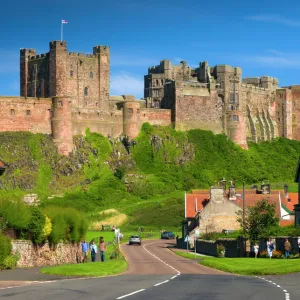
248	266
154	200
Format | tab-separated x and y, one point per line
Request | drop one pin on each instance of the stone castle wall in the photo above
44	255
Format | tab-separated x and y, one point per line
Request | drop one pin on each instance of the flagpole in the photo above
61	31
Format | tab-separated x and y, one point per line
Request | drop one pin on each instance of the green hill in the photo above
146	184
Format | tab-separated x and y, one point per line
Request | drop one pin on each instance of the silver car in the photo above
135	239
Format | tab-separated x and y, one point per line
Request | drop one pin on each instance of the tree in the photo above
260	220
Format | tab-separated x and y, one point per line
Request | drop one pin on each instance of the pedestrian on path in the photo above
85	249
298	242
94	250
102	248
255	247
287	247
270	247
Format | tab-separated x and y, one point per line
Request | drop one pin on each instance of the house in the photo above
216	210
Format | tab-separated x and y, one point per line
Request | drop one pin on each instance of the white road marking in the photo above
174	277
130	294
161	283
286	294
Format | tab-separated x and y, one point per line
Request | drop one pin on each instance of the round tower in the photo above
131	116
236	128
61	124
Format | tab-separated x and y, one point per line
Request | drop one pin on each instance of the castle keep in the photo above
63	93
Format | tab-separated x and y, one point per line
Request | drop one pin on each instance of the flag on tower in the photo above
64	21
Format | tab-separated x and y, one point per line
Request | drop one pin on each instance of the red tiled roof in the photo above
293	200
251	198
195	202
2	164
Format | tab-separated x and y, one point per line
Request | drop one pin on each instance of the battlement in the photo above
82	55
58	45
39	56
100	49
27	52
228	69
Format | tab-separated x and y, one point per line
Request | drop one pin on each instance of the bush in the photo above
275	254
36	225
221	250
47	228
10	262
5	249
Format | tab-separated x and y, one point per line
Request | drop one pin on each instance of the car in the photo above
135	239
167	235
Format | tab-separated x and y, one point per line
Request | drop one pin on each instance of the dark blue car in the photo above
168	235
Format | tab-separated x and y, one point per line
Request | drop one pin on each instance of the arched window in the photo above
157	82
71	73
91	75
86	91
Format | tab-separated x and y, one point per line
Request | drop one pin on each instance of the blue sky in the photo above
262	37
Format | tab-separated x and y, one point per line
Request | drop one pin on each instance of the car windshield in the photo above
134	237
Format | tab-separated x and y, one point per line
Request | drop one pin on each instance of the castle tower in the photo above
131	116
61	124
57	68
24	57
103	53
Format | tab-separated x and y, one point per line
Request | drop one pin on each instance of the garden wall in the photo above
45	255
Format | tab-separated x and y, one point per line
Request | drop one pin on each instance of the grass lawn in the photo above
109	267
248	266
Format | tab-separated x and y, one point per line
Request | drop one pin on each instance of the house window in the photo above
28	112
130	110
71	73
91	75
86	91
235	118
59	103
12	112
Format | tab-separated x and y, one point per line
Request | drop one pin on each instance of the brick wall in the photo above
156	116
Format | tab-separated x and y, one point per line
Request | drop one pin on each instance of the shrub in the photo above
47	228
5	249
36	225
221	250
275	254
10	261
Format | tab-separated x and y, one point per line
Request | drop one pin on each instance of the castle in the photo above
63	93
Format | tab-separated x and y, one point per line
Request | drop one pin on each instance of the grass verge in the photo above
110	267
248	266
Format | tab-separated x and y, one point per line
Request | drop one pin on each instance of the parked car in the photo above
135	239
168	235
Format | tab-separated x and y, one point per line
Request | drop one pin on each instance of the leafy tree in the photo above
260	220
36	225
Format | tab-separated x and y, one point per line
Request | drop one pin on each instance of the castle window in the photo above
86	91
157	82
130	110
28	112
59	103
91	75
12	112
235	118
71	73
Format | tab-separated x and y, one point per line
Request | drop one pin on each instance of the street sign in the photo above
187	238
197	233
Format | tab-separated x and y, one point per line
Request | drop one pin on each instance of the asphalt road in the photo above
154	273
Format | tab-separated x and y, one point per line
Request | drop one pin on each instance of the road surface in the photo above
155	272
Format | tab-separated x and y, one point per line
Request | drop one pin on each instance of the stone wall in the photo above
21	114
44	255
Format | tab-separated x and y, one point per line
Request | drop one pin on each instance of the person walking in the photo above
85	249
287	248
270	247
94	251
102	248
256	247
298	242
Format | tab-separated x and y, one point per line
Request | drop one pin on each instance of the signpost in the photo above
196	235
187	239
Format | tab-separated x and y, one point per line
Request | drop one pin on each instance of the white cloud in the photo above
124	83
274	58
274	18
